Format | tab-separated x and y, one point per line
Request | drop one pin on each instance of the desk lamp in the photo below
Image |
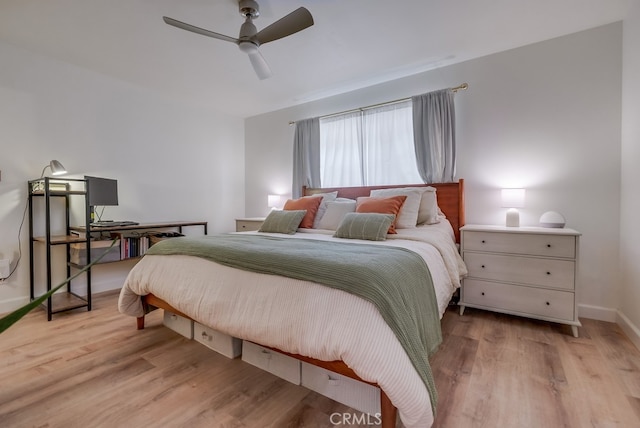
56	168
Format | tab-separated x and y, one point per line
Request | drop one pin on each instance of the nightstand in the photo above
248	224
526	271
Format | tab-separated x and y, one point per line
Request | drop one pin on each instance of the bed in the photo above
327	327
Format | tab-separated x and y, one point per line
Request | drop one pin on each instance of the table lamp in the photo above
275	202
513	199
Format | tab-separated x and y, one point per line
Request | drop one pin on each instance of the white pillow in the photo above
334	214
429	209
408	215
326	197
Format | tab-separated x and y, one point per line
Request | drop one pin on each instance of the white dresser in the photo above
526	271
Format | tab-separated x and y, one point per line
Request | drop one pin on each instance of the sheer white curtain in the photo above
341	150
369	147
389	156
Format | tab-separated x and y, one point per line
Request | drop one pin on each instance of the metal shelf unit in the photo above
49	189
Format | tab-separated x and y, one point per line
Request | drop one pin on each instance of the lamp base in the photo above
513	218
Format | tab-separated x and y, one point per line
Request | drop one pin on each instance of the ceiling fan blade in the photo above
260	65
198	30
296	21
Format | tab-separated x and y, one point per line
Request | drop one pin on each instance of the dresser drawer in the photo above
248	225
522	270
521	243
520	299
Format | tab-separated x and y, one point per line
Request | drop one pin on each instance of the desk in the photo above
159	225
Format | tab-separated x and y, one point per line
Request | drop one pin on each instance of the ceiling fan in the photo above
250	38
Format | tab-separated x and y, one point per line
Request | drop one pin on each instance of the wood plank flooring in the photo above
94	369
496	370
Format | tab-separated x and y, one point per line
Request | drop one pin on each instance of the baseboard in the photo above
612	315
11	305
597	313
632	331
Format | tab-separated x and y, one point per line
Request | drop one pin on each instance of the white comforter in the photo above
302	317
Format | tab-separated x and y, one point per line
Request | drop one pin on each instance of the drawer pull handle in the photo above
548	245
548	273
483	293
482	266
333	382
205	336
483	241
548	304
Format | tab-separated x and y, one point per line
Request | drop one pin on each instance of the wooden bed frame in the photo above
451	202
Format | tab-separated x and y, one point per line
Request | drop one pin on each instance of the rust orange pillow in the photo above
390	205
311	205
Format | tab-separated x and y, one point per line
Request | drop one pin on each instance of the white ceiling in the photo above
353	44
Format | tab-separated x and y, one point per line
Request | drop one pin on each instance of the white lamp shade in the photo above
513	198
274	201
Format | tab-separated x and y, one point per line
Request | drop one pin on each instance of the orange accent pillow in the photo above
309	204
390	205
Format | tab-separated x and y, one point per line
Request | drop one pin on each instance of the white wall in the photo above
630	207
545	117
172	161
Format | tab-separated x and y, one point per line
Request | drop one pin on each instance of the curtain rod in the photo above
460	87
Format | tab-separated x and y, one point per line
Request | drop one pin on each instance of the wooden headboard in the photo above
450	198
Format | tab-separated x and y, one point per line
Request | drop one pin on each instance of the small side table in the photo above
248	224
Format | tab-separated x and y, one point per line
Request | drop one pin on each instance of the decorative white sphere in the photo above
552	219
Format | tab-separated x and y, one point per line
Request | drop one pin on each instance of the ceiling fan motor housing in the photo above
247	31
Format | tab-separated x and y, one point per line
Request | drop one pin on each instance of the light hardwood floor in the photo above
94	369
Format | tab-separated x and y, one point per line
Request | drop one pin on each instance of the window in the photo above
369	147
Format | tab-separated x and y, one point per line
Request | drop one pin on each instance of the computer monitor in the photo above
102	191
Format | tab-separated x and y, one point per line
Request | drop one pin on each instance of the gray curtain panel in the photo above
434	135
306	155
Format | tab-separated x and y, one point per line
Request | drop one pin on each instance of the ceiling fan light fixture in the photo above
248	47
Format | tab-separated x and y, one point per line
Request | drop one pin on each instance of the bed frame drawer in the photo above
281	365
359	395
180	325
528	244
229	346
519	300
